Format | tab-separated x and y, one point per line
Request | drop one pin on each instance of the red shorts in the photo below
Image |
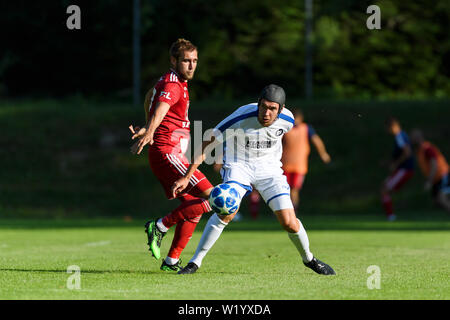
169	167
396	180
295	179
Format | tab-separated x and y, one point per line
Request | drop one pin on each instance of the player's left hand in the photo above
137	131
179	186
137	147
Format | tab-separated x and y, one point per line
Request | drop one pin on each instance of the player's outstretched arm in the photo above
161	110
320	147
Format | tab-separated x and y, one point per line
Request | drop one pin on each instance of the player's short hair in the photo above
297	113
180	46
390	121
416	134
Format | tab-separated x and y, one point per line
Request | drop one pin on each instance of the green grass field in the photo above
251	260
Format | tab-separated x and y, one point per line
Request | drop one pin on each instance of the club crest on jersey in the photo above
279	132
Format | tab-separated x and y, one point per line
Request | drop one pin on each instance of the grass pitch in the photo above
251	260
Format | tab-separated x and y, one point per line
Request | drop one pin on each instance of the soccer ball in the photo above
224	199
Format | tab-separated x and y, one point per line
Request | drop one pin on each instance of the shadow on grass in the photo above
90	271
438	220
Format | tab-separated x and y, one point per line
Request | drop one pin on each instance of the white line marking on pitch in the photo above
98	243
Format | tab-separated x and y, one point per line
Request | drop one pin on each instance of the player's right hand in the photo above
179	186
326	158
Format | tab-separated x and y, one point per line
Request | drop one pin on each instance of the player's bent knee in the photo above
290	228
227	218
205	194
288	220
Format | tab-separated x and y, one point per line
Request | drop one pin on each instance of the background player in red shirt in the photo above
434	167
296	150
167	134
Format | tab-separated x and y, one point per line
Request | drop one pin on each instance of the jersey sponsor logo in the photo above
265	144
165	95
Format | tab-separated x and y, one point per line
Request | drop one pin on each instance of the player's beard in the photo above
185	75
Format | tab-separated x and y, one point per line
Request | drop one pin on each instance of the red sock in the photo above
254	204
186	216
183	233
387	204
189	208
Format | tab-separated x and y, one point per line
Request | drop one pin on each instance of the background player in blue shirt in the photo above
401	166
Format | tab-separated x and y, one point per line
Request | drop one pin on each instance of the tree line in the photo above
243	45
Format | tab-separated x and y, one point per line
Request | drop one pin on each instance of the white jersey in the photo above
246	140
252	154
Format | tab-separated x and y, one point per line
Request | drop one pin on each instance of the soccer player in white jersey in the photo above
254	131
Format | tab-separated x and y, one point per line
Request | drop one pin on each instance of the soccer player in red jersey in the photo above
434	167
167	134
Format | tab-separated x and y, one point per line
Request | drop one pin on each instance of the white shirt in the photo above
246	140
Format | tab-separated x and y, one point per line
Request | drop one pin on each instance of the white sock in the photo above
211	233
161	226
171	261
301	242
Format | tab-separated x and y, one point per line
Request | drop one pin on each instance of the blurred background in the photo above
66	96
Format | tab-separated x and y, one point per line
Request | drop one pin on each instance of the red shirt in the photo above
296	148
172	135
427	152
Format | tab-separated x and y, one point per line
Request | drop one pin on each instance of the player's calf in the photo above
288	220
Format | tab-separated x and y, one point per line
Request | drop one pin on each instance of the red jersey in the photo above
172	135
427	152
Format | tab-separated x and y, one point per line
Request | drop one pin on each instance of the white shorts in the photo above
272	186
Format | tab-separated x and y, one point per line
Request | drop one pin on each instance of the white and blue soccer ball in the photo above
224	199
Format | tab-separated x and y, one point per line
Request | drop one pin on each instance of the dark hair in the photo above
390	121
180	46
298	113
